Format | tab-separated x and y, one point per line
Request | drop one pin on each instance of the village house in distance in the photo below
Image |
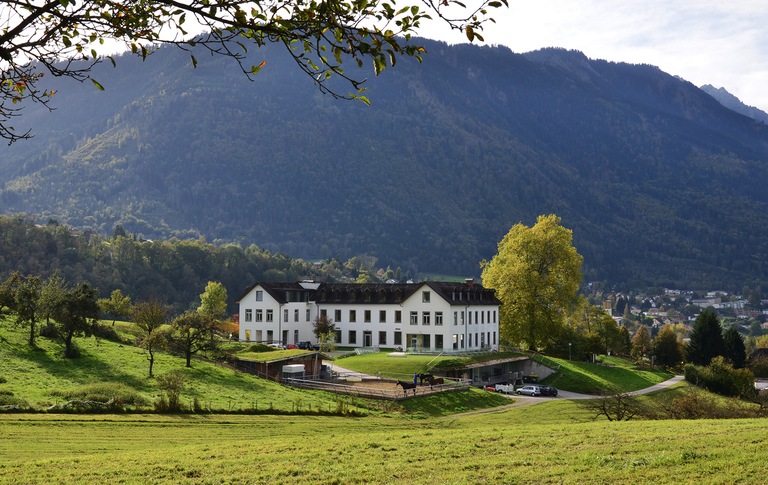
428	316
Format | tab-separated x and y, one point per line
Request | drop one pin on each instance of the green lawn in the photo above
507	447
589	378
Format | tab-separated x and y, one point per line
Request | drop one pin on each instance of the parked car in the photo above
548	391
530	390
305	345
291	346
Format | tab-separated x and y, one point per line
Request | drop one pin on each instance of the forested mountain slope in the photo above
660	183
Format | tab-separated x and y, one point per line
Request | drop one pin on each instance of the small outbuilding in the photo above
281	364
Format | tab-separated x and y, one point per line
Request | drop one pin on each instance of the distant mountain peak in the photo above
732	102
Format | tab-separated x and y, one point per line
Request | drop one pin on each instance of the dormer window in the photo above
367	294
383	295
338	294
398	294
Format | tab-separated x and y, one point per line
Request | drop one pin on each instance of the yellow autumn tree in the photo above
536	274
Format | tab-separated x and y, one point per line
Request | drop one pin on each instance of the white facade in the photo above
427	316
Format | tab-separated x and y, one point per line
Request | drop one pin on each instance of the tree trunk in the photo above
151	360
189	357
32	333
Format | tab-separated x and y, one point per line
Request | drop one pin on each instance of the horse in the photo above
435	381
406	386
424	377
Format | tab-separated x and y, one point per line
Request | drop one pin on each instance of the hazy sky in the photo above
705	42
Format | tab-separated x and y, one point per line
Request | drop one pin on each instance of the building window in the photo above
470	318
455	318
461	340
295	336
398	338
494	338
270	336
285	315
414	318
249	315
494	316
425	342
338	336
461	318
477	320
367	316
425	318
270	318
482	317
382	316
323	313
308	314
398	316
455	342
382	338
353	315
259	296
425	297
337	315
438	342
438	318
296	315
353	336
259	316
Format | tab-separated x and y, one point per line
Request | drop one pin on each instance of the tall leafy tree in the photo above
706	340
75	315
734	348
23	297
624	345
323	325
51	295
193	333
150	315
318	35
666	348
536	274
214	301
641	343
117	305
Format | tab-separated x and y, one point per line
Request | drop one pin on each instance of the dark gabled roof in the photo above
276	290
388	293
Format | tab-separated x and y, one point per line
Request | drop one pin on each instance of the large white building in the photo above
428	316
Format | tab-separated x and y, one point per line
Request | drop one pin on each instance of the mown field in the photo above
516	446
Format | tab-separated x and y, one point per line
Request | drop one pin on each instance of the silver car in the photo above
530	390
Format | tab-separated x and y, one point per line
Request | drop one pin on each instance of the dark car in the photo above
548	391
305	345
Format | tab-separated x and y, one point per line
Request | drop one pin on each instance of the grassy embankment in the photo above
573	376
40	377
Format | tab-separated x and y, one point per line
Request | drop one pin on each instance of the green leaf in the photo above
93	53
194	62
66	41
470	33
114	64
99	86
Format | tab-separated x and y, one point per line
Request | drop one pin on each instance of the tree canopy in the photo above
42	36
536	274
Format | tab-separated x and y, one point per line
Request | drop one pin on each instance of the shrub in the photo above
172	383
720	377
106	332
759	366
102	392
258	348
13	401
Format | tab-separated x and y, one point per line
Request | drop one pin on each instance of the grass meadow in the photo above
515	446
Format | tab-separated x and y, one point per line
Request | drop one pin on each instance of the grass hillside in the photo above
40	377
622	375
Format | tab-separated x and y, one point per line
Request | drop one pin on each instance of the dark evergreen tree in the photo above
735	350
706	339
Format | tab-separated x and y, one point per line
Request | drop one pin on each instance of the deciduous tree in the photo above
666	348
641	344
149	316
706	341
49	35
75	315
23	298
213	302
117	305
193	333
322	325
536	274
